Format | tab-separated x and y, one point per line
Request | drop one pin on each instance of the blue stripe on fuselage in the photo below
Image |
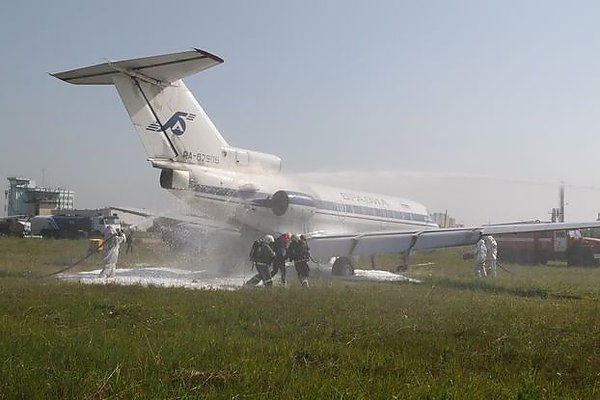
261	199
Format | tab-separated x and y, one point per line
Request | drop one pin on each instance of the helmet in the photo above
268	238
295	237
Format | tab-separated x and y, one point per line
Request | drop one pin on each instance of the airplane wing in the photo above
346	245
194	219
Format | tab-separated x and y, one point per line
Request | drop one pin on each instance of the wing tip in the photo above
209	55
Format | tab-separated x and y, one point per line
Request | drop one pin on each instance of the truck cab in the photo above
100	222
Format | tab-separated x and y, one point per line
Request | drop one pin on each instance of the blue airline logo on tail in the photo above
176	123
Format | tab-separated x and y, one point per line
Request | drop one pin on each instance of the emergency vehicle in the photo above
16	225
72	226
540	247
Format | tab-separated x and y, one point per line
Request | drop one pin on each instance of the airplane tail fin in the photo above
169	121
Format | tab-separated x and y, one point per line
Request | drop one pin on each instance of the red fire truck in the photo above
541	247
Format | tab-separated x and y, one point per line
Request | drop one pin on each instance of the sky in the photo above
480	108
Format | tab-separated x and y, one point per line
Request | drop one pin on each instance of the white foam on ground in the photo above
160	277
203	279
381	276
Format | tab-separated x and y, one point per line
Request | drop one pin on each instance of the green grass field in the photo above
532	334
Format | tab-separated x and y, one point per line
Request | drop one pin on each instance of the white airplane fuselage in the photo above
274	203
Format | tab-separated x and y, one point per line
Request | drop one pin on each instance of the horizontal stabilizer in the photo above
162	69
167	118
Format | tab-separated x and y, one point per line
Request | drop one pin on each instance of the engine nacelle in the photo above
299	205
251	161
174	179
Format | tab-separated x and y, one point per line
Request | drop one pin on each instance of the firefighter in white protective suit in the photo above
491	255
110	250
480	257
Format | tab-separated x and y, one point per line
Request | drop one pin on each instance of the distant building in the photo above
444	220
23	197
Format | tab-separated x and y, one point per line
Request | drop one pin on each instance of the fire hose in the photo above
82	259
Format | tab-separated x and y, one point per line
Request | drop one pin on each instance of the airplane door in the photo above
340	209
383	213
560	241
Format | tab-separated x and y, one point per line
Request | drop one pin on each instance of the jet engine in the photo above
173	179
292	204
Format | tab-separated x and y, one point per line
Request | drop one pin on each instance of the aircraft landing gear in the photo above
342	267
403	266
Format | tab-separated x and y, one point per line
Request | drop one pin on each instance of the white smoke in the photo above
472	199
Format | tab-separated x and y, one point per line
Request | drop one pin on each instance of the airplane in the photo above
246	190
